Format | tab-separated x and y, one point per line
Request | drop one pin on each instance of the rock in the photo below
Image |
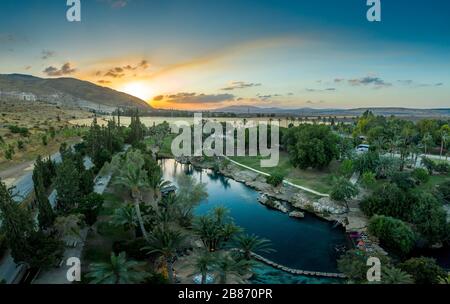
297	214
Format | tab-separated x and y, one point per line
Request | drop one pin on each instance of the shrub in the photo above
429	164
18	130
421	175
394	233
367	162
388	200
346	168
403	180
368	180
443	190
442	168
354	264
275	179
343	190
424	270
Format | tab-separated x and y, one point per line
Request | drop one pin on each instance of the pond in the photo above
307	244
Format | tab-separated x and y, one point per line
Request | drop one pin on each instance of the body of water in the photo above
306	244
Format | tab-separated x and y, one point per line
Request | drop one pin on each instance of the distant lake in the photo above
306	244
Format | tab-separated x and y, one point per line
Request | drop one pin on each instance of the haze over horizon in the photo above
212	54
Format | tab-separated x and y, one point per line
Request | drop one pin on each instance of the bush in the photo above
368	180
343	190
424	270
421	175
443	190
367	162
18	130
388	200
394	233
429	164
346	168
354	264
442	168
403	180
275	179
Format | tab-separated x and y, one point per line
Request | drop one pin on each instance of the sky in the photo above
196	54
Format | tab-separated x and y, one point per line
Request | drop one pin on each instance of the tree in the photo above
369	180
17	224
125	217
343	190
67	185
423	270
429	217
166	242
249	244
203	263
118	270
354	264
275	179
227	265
46	216
131	174
387	200
394	233
428	164
444	134
311	146
392	275
427	141
367	162
90	207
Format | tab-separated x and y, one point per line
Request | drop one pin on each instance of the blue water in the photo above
306	244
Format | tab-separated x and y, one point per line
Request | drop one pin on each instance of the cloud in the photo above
66	69
120	71
28	67
310	102
191	98
116	3
104	81
369	80
46	54
412	83
236	85
321	90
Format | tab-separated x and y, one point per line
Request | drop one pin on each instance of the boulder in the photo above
297	214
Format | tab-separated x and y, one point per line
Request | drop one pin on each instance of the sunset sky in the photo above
194	54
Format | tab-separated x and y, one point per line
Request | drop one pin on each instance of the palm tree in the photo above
130	174
206	228
427	141
125	217
166	242
229	230
226	265
444	131
248	244
203	263
117	271
393	275
444	280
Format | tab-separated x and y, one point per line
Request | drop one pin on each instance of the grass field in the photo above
318	180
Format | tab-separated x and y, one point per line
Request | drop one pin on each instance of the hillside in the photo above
66	92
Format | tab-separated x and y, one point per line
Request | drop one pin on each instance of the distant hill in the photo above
445	112
66	92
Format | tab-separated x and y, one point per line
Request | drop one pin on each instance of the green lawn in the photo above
318	180
166	149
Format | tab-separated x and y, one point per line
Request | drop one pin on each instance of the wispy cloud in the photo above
236	85
195	98
321	90
414	84
66	69
46	54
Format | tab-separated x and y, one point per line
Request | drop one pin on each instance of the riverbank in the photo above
284	198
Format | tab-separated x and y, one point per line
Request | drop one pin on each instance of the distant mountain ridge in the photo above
66	91
386	111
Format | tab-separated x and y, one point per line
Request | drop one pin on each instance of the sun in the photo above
141	90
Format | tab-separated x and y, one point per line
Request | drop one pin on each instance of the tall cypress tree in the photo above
46	215
17	224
